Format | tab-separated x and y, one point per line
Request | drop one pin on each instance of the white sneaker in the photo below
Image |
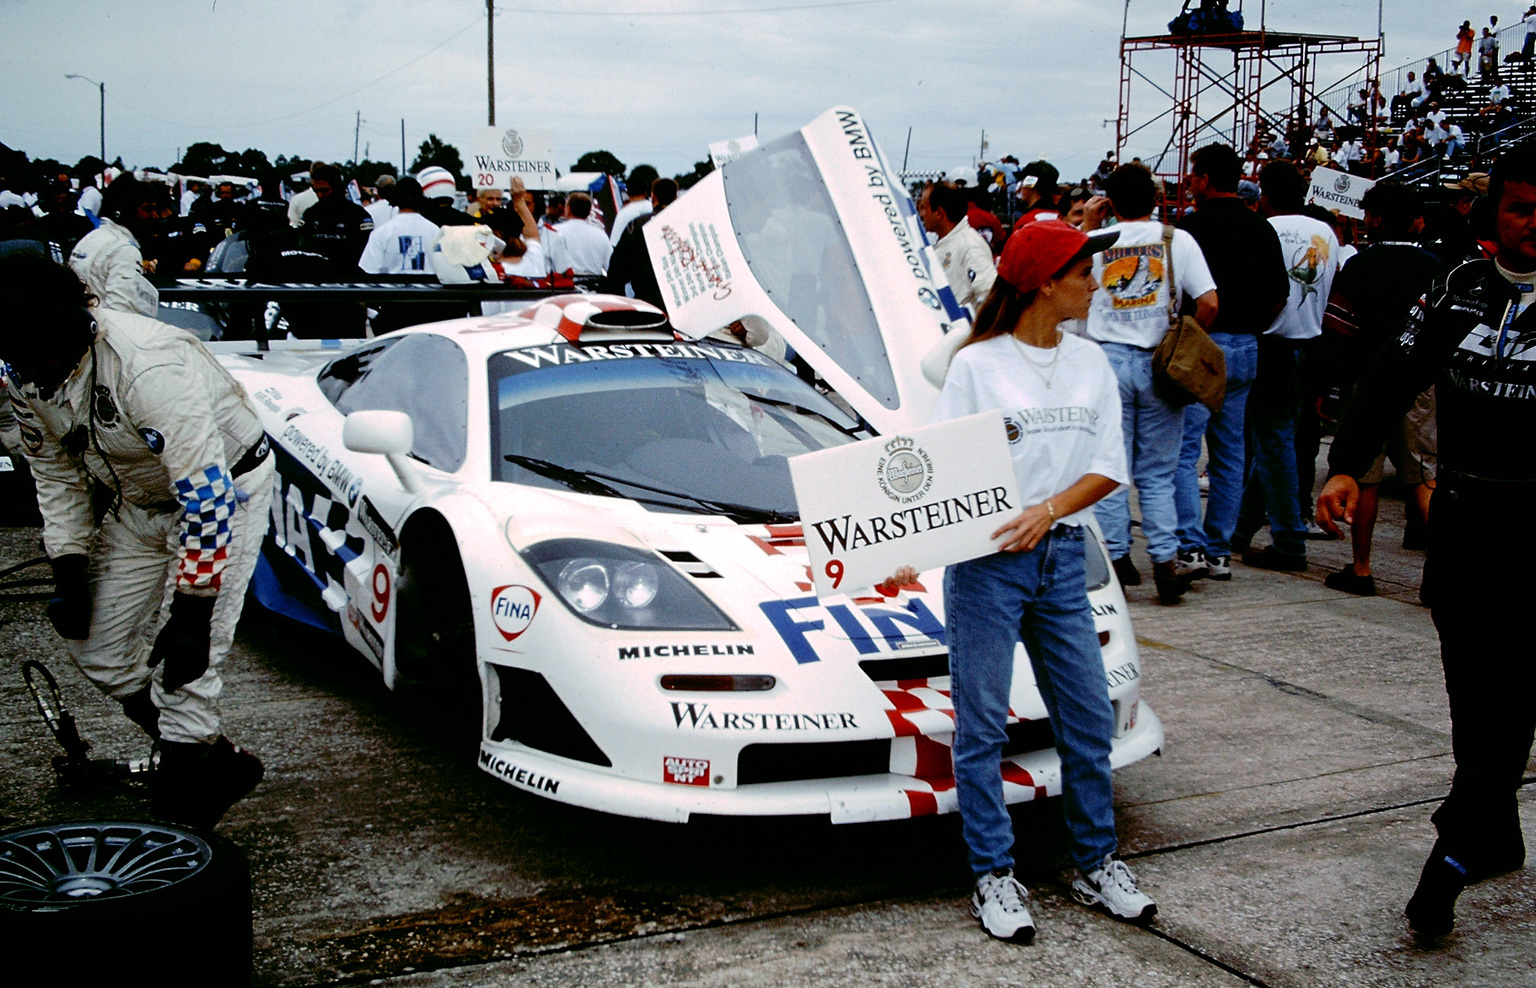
1002	905
1219	567
1112	886
1191	564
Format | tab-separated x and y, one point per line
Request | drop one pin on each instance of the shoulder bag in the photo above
1187	366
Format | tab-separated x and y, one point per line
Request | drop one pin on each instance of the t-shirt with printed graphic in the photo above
400	246
1061	408
1131	305
1311	253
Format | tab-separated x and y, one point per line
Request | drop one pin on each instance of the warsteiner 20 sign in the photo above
924	498
497	154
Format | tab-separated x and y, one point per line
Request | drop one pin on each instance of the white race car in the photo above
586	511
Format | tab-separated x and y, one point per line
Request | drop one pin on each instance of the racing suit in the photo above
1474	338
110	263
151	418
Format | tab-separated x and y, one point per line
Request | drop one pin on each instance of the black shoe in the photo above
1170	586
196	784
1348	581
1126	571
1271	558
1240	543
1415	532
1432	910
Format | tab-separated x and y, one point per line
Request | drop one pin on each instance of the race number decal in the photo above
380	593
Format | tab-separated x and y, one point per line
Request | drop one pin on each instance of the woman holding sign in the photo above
1061	406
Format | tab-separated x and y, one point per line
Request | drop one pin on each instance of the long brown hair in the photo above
1000	313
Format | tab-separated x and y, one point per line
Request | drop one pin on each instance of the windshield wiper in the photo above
783	403
592	482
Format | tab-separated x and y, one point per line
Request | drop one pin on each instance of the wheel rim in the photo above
55	866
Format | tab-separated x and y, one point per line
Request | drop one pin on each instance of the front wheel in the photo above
435	626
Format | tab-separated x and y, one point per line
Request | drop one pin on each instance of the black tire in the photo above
123	903
435	627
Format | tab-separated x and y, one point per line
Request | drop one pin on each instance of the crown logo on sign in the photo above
899	443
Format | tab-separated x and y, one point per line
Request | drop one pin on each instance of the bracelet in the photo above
1051	508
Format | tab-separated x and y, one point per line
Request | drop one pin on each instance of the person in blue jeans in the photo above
1060	402
1244	255
1128	318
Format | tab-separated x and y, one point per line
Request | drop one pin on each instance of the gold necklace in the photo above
1049	366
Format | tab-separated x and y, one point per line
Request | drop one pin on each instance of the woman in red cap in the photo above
1061	406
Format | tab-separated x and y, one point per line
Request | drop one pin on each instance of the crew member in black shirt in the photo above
1473	336
1243	252
335	226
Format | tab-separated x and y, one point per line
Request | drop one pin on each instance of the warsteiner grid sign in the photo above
1333	189
924	498
496	154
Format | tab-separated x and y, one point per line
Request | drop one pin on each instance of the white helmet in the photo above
436	182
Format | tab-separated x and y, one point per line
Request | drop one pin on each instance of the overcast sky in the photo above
650	80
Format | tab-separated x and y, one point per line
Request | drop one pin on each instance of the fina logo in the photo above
512	144
905	473
513	608
1341	184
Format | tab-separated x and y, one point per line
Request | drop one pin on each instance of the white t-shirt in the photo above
1056	434
382	211
1132	303
584	247
90	200
400	246
1311	253
1499	94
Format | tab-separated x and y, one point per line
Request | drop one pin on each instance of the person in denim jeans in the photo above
1060	404
1128	318
1243	252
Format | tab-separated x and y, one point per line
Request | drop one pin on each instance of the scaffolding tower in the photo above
1224	88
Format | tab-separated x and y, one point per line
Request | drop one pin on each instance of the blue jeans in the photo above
1152	429
1040	598
1271	490
1223	435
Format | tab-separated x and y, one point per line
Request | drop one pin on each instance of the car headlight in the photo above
615	586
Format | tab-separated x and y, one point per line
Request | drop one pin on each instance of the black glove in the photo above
70	608
183	642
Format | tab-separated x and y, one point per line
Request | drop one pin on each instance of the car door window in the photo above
423	375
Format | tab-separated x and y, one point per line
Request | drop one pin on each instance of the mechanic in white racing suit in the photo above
154	478
109	259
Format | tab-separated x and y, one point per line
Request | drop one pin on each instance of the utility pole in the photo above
402	145
906	152
103	88
356	130
490	60
754	125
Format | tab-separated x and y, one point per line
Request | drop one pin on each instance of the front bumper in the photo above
851	799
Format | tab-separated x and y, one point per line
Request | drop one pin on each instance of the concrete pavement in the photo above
1281	831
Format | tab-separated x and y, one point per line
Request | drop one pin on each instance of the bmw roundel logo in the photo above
353	490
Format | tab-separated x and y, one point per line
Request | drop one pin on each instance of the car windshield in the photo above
698	427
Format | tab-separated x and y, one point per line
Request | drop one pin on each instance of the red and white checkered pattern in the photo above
568	314
924	719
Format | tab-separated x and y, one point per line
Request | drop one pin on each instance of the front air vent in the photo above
532	714
812	760
691	564
906	667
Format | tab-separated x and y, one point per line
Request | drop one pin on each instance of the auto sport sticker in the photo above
685	771
513	608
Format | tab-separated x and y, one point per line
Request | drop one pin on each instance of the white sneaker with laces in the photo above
1191	564
1002	905
1112	886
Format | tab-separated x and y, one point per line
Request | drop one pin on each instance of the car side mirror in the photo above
387	433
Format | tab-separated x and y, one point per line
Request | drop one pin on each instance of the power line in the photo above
335	99
712	12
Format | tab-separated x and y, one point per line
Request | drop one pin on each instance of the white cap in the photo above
436	182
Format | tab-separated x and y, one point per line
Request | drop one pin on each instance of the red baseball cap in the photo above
1036	251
